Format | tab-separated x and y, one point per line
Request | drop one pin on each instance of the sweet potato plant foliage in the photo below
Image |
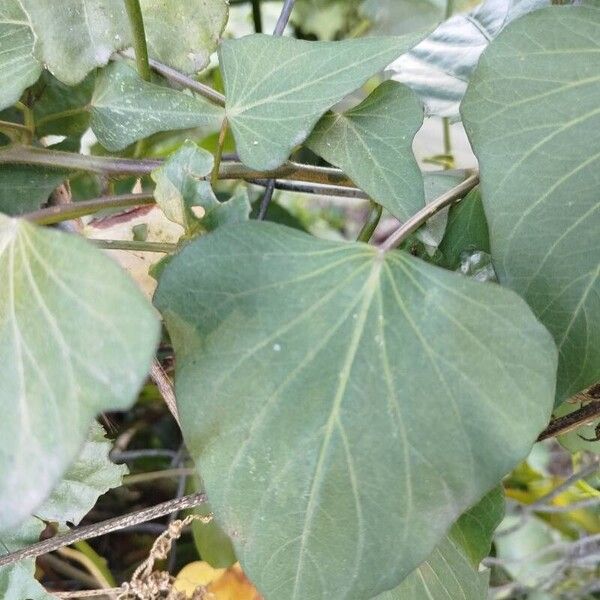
366	341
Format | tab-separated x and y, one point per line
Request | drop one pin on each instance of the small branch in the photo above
266	199
456	193
312	188
154	475
134	12
572	421
74	210
284	17
97	529
135	246
371	223
165	387
183	80
71	161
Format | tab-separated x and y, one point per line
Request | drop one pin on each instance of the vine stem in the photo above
136	20
456	193
57	159
257	16
572	421
135	246
97	529
182	80
371	223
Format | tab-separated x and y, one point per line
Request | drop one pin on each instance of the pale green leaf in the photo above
278	88
372	144
24	188
91	475
439	67
125	108
18	67
76	338
452	570
74	36
324	386
180	185
533	117
17	581
326	19
184	34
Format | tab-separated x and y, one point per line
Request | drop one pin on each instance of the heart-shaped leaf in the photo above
372	144
74	36
125	108
536	132
76	338
324	386
185	33
18	67
278	88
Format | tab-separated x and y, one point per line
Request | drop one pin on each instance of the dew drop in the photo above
276	348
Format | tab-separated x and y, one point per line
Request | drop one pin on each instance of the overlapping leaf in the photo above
439	67
183	34
125	108
277	88
18	67
372	144
452	570
74	36
76	338
25	188
533	117
323	387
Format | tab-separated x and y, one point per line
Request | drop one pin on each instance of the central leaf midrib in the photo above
370	288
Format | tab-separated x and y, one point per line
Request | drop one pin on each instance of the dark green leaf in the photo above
372	144
278	88
533	117
466	230
324	386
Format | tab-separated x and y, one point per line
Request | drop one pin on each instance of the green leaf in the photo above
18	67
125	108
323	386
452	570
536	132
17	581
372	144
467	230
74	36
184	34
62	109
91	475
277	88
439	67
25	188
325	19
180	185
76	338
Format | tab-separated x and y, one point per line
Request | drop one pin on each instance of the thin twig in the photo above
154	475
322	189
165	387
183	80
97	529
572	421
371	223
65	212
135	246
284	17
266	200
257	16
410	226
